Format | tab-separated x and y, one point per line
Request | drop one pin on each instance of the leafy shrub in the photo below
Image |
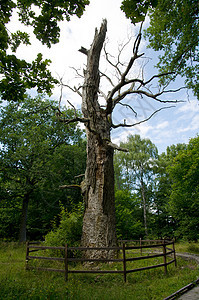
69	230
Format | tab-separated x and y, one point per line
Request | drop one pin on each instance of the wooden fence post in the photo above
141	246
174	254
165	258
66	262
124	261
27	254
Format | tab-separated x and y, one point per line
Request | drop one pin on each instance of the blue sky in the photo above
171	126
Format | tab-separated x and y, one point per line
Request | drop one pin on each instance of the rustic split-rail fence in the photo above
145	250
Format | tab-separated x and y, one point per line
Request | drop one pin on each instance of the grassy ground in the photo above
16	283
187	247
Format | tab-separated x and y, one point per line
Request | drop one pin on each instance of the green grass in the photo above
17	283
190	247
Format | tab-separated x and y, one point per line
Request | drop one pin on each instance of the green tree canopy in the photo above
128	215
184	199
18	75
136	10
163	224
173	30
37	155
136	167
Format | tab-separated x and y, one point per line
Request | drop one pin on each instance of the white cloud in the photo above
162	125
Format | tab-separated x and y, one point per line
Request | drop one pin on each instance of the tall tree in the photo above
173	29
137	169
184	199
19	75
31	139
98	186
164	223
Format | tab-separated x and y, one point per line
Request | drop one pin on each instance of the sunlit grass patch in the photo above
190	247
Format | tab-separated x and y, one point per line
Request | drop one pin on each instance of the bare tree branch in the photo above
107	77
145	93
110	62
83	50
74	89
123	80
80	175
116	147
77	72
70	186
142	121
77	119
128	106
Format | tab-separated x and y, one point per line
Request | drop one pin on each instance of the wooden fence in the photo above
145	246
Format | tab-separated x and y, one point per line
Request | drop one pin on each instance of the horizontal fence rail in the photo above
168	255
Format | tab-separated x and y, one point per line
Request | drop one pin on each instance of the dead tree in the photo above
99	225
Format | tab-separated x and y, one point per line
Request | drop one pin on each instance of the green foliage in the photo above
17	76
134	170
137	164
69	229
9	223
184	199
136	10
163	224
174	30
170	185
128	215
37	155
45	23
17	38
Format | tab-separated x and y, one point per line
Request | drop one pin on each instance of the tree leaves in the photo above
37	155
44	16
137	10
174	29
17	38
184	172
45	23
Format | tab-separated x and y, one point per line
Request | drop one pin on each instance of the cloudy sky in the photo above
169	126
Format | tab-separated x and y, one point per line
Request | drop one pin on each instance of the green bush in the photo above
69	230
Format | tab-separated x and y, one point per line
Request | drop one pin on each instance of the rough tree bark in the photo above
98	186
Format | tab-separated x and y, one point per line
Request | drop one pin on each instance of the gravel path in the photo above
191	295
189	256
191	291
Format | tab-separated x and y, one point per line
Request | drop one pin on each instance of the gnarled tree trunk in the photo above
98	186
